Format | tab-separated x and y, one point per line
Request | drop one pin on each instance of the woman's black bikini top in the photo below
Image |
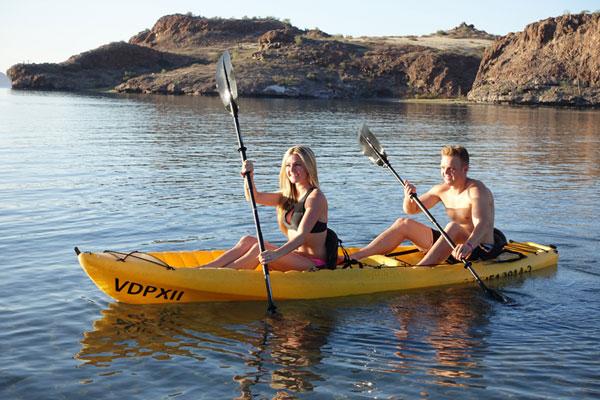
295	213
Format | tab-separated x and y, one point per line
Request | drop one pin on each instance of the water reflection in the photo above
286	357
542	140
441	335
129	331
436	337
277	351
444	333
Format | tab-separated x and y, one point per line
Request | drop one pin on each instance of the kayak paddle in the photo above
227	88
371	148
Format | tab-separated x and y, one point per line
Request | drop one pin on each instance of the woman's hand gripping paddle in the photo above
227	88
371	148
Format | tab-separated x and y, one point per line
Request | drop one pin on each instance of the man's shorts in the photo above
484	251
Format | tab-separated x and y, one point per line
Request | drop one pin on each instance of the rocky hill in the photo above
4	81
101	68
555	61
467	31
271	58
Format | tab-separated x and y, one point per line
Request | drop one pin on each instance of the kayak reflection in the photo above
277	351
451	327
436	337
126	331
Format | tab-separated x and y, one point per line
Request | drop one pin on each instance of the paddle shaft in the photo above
448	239
261	243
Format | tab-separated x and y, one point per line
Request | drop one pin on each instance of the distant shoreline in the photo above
274	59
432	101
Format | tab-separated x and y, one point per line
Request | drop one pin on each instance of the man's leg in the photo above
441	249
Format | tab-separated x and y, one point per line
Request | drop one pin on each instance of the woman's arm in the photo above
314	206
263	198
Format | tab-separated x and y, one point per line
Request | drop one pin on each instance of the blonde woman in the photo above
302	216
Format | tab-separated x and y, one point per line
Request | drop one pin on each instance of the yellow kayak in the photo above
169	277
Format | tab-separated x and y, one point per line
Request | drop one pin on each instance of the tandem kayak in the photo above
169	277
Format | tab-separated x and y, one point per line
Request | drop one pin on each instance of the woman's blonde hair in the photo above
289	194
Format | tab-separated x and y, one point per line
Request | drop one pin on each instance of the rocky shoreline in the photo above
552	62
555	61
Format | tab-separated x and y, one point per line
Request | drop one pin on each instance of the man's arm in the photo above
429	199
482	213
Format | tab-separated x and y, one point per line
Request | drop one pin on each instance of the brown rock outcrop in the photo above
317	34
329	69
555	61
277	38
271	58
103	67
180	31
467	31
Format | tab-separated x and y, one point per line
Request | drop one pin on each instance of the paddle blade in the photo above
497	296
370	146
226	80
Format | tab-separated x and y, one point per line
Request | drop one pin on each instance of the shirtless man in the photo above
470	206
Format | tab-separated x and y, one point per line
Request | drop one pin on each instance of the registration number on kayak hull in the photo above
155	292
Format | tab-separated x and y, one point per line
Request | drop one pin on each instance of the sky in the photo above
53	30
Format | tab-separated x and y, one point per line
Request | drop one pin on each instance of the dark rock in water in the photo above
555	61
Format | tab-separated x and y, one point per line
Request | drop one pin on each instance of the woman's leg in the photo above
402	229
242	247
291	261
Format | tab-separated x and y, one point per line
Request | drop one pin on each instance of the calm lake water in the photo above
159	173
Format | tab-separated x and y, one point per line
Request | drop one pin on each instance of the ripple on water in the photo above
162	173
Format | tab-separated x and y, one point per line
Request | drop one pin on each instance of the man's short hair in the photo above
458	151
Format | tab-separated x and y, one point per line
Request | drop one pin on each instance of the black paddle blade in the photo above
226	80
370	146
491	293
497	296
